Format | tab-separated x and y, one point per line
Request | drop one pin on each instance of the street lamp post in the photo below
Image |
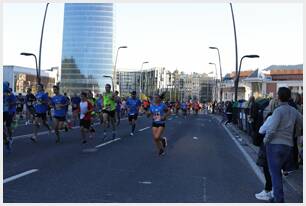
236	47
146	62
238	75
41	38
37	70
215	80
220	71
107	76
115	69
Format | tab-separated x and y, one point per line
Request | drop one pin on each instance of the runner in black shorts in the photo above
41	107
160	112
59	103
133	104
20	104
109	110
86	109
29	101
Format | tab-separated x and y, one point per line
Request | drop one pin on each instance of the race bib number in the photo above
157	117
58	107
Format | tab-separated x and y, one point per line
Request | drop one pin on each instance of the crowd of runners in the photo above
84	109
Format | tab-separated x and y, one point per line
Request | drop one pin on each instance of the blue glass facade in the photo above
87	50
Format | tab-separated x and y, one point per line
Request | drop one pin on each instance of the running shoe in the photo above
161	152
131	134
84	141
164	141
34	139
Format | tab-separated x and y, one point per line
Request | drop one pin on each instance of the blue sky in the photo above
174	35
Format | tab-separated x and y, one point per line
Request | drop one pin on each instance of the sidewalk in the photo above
294	180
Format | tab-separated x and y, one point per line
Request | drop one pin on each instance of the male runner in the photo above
133	104
75	101
41	107
118	107
20	104
99	107
8	116
6	92
184	109
59	103
109	110
30	110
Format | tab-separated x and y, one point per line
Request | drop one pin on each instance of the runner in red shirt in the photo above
86	109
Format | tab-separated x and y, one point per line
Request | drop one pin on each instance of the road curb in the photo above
252	163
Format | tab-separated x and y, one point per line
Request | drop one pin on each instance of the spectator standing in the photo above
279	141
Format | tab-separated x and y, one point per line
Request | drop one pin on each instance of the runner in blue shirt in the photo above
6	94
160	112
59	103
99	107
41	107
75	104
184	109
133	104
11	104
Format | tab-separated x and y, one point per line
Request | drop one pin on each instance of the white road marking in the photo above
143	129
145	182
9	179
106	143
204	189
90	150
247	157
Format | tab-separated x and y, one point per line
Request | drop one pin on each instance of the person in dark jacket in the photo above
267	193
229	112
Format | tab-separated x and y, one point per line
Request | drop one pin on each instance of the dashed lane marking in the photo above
143	129
106	143
9	179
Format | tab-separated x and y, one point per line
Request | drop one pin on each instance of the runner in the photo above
59	103
20	104
160	113
123	108
146	105
49	108
99	107
177	107
41	107
109	110
133	105
85	110
30	110
6	116
196	107
75	104
12	103
118	107
92	100
67	123
184	109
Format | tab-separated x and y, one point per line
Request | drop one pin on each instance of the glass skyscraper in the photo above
87	47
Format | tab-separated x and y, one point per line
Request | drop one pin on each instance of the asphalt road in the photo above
202	164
